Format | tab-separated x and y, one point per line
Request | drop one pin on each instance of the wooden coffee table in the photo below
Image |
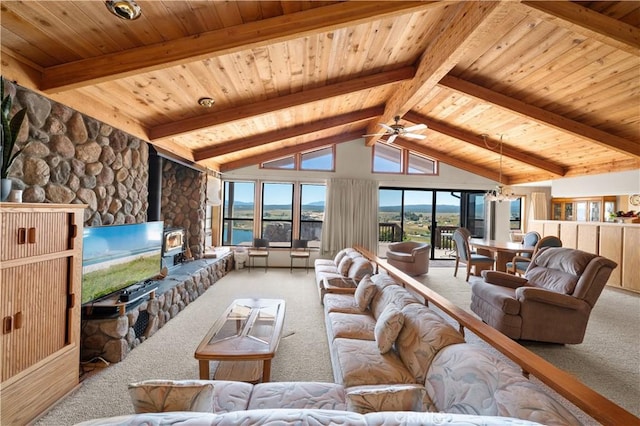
244	339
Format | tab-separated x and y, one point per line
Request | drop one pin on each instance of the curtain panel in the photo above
351	215
538	208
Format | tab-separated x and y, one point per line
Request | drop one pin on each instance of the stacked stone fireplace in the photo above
69	158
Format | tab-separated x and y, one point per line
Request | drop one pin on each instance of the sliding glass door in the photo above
428	215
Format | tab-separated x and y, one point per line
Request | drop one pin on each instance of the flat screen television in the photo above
118	256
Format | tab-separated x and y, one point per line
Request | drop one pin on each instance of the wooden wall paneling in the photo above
569	234
588	236
631	258
536	226
551	228
610	246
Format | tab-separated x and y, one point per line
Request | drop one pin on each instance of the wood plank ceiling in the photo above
558	82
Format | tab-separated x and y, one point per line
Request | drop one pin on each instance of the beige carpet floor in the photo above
608	360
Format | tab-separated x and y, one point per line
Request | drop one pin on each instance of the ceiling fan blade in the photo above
375	134
414	136
392	138
416	127
389	128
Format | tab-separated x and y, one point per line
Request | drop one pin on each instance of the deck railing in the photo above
589	401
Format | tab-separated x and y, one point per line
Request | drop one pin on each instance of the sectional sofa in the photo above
391	352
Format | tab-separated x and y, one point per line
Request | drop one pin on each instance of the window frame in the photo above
297	161
404	166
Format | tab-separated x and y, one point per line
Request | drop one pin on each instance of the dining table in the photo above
501	251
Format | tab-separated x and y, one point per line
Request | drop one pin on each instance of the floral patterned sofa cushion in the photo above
155	396
328	396
350	326
359	362
467	379
304	417
373	398
423	334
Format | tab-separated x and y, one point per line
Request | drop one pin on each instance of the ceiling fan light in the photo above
124	9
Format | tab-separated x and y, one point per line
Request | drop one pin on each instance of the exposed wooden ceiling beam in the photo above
452	161
476	140
224	41
280	103
467	23
274	155
544	117
292	132
588	22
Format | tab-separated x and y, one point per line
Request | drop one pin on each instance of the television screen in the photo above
117	256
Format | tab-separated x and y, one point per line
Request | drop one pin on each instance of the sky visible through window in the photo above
243	192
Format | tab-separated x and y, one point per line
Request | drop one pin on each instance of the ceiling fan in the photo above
396	130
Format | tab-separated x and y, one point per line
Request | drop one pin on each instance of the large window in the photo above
277	213
429	215
282	212
322	159
515	219
238	214
393	159
312	198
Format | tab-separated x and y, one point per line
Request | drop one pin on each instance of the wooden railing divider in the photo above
589	401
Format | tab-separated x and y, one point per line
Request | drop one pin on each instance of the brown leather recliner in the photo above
410	257
550	303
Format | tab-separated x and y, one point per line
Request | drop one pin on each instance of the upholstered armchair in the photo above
520	263
550	303
410	257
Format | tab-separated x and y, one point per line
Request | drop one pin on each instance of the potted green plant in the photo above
10	128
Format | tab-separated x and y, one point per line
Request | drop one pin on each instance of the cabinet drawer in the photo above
31	234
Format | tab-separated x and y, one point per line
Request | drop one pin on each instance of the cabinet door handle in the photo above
6	325
17	320
32	236
22	235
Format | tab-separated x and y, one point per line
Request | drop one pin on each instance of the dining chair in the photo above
464	254
259	250
520	263
299	250
529	240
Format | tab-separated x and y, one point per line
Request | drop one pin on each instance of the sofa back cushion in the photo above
423	334
359	267
339	256
344	265
395	294
466	379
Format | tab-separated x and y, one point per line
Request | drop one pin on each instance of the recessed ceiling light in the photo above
206	102
124	9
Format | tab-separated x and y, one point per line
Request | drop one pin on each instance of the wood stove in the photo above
173	247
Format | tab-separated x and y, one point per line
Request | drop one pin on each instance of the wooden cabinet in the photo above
592	209
40	283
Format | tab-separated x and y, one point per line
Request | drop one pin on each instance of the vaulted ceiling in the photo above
557	82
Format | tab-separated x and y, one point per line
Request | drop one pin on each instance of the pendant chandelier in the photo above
501	192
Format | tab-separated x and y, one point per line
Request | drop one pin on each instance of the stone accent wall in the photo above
183	203
68	157
113	338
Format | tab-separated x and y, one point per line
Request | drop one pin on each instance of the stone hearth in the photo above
113	338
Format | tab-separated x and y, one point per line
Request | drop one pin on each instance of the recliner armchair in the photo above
550	303
410	257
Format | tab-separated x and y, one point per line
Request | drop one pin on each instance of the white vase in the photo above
6	188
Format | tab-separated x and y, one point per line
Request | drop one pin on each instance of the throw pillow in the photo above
344	265
374	398
364	292
388	327
159	396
